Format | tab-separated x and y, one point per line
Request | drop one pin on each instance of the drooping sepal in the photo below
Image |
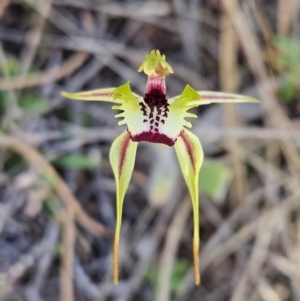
190	156
155	64
105	94
122	158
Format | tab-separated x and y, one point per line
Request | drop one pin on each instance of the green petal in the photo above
175	122
185	101
122	158
132	114
190	98
190	155
207	97
93	95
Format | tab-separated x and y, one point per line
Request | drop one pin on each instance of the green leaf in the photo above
151	275
51	207
75	161
214	179
3	102
287	92
13	66
290	50
33	105
13	162
50	179
289	57
180	270
59	250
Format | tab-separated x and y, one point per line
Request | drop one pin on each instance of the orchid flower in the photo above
157	119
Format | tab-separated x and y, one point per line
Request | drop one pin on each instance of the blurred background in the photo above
57	191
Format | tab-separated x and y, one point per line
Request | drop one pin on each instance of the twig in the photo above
68	237
27	260
69	27
148	8
33	38
247	232
267	32
253	54
259	253
53	74
84	284
189	32
32	292
59	186
167	259
86	44
266	290
3	5
13	110
229	80
286	11
214	252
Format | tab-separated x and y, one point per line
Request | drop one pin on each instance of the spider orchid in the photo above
157	119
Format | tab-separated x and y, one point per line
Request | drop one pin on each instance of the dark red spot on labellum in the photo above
153	137
155	98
